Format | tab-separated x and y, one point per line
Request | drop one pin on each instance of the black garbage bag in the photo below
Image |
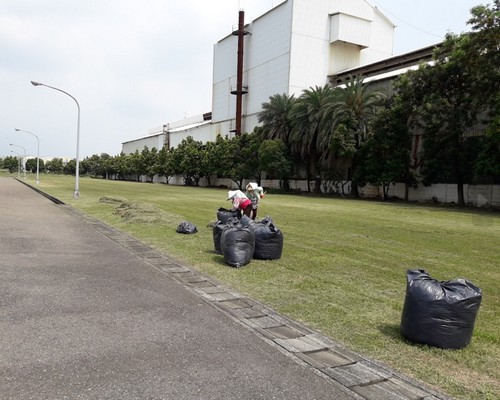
237	243
186	227
245	221
268	240
440	314
223	214
219	227
217	233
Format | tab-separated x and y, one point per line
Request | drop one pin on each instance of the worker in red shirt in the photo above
241	203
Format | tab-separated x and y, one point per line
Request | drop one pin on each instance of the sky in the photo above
135	65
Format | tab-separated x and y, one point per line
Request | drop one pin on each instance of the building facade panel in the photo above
361	9
224	62
138	144
265	68
203	133
381	40
309	63
350	29
267	80
269	37
223	103
343	56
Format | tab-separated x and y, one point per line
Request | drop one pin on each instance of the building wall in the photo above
266	66
138	144
381	39
337	35
476	195
267	58
203	133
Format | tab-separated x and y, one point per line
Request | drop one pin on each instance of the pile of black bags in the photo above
241	240
440	314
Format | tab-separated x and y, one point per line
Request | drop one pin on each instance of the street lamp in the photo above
77	169
24	158
19	168
37	154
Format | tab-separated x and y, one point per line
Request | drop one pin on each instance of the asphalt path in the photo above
83	318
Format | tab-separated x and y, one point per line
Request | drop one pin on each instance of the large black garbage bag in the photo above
237	243
217	233
223	214
245	220
268	240
219	227
186	227
440	314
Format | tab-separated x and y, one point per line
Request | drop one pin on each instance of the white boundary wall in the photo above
476	195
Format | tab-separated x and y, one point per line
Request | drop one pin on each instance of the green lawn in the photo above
343	270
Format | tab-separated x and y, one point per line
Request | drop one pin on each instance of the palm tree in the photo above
356	104
276	117
307	128
346	120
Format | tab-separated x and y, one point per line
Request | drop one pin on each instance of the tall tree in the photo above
31	165
94	165
276	161
451	94
54	166
307	129
134	162
11	163
187	158
346	121
164	165
385	157
277	117
484	45
244	151
148	162
217	158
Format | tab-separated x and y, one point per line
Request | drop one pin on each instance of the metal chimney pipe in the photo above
239	75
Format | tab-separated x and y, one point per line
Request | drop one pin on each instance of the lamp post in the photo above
19	168
77	169
37	153
24	158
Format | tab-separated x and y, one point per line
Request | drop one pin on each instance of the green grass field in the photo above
343	270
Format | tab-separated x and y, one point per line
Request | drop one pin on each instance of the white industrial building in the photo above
294	46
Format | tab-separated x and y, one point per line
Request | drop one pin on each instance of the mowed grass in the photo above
343	269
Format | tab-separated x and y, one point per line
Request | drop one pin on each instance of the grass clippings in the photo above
136	213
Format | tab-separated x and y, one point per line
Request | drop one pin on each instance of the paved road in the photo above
87	312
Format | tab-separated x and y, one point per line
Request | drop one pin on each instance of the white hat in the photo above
231	194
